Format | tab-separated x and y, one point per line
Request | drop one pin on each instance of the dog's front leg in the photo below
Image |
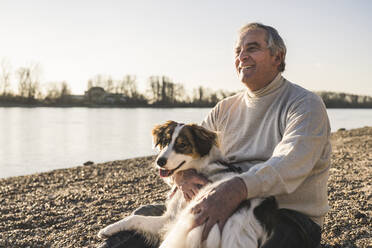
147	224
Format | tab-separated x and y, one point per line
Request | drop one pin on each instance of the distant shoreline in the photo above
134	106
98	97
99	106
67	207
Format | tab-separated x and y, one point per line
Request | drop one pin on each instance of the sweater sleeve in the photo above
305	137
210	120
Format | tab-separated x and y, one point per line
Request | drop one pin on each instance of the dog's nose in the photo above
161	161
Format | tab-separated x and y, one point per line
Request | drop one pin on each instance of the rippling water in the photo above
41	139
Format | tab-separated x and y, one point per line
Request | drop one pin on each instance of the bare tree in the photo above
128	86
65	89
57	92
23	77
109	84
199	94
52	91
155	88
5	77
104	81
180	93
96	81
164	91
168	90
207	96
28	81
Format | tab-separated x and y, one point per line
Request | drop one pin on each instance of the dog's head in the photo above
181	145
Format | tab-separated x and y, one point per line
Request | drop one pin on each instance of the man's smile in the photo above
246	67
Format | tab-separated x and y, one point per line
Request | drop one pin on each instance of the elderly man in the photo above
278	134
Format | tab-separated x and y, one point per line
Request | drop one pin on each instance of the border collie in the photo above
189	146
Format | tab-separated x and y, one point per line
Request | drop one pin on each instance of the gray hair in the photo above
274	42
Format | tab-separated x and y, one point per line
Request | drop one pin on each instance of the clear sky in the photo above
328	42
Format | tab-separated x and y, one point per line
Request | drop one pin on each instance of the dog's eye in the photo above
181	145
165	142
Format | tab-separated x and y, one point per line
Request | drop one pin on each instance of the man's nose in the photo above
161	161
243	56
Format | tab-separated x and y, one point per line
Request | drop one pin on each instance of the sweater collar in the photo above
275	84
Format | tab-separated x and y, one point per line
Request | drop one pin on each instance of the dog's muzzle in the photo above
161	161
167	173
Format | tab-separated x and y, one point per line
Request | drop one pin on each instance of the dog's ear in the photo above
159	133
204	139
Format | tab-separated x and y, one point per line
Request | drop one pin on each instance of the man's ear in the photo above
279	57
204	139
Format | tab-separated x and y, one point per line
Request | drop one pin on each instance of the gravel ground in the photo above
66	208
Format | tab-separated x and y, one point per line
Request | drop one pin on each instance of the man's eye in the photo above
252	49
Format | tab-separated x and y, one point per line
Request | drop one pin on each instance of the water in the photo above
42	139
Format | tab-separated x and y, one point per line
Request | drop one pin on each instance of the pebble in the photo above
67	207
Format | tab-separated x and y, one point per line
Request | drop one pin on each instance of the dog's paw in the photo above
116	227
107	232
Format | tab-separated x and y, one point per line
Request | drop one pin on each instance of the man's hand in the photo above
189	182
219	204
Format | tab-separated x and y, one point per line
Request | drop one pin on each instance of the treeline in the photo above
343	100
161	91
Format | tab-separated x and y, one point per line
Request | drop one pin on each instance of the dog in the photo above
190	146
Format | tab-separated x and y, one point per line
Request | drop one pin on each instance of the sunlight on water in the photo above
42	139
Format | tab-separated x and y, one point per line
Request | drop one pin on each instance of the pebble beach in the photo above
67	207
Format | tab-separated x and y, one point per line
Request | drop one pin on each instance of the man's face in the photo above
255	66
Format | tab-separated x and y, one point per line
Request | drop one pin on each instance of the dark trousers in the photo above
293	230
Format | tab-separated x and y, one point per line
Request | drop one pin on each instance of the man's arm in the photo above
304	143
305	138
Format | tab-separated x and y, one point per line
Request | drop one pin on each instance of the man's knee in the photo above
294	230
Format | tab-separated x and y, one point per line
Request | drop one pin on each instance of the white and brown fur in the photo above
185	147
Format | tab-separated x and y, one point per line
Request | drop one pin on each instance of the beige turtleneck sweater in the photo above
279	136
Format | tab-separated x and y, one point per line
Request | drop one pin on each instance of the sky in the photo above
191	42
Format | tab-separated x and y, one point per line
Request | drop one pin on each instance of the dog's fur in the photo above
185	147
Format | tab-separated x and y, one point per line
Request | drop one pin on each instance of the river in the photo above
41	139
